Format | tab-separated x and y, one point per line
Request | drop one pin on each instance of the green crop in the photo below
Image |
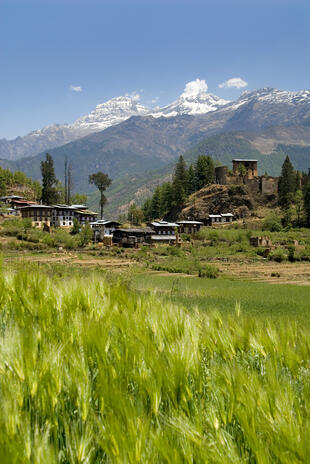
91	372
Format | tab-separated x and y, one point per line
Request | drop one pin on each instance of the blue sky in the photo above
153	47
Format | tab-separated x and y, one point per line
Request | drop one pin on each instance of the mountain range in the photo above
194	101
129	141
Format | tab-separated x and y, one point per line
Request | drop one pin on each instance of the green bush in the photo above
209	271
272	224
277	255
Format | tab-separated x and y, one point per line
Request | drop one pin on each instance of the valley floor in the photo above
262	288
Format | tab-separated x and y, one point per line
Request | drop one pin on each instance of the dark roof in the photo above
190	222
163	238
37	206
248	160
164	224
146	230
86	213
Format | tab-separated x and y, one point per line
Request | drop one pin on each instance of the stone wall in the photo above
269	185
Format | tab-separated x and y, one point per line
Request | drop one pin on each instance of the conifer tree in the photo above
147	209
287	184
307	204
166	198
191	187
49	182
179	184
298	205
204	171
156	204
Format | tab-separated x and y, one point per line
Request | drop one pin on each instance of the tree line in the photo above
9	180
169	198
294	191
54	192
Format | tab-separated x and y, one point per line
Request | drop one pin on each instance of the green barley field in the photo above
255	299
97	372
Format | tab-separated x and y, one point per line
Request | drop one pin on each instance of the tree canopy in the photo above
102	182
50	194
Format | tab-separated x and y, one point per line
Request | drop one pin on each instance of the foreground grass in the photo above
256	299
91	372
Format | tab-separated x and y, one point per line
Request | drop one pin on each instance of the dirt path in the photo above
270	272
74	259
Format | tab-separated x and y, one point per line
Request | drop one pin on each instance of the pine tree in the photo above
204	171
101	181
49	181
191	187
287	184
166	198
298	205
179	185
307	204
156	204
147	209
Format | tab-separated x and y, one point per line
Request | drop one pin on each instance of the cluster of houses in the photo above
106	231
46	216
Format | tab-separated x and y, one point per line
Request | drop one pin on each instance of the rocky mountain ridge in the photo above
195	101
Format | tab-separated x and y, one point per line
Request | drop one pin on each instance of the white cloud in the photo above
155	100
134	95
76	88
195	87
236	82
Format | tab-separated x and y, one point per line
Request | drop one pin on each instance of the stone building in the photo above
247	165
245	172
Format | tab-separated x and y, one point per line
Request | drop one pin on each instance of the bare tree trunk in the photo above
70	184
66	180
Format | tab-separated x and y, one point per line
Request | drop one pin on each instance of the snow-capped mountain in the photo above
272	96
110	113
194	100
258	108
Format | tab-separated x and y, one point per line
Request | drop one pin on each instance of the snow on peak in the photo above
110	113
195	99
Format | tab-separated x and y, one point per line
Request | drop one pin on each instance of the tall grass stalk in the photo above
93	373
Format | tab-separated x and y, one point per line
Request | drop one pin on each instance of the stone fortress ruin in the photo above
245	172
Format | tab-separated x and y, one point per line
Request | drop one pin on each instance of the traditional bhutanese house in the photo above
39	214
7	199
85	216
62	216
132	237
220	218
103	228
164	232
189	227
214	219
16	202
227	217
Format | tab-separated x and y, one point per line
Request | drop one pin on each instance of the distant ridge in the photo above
194	101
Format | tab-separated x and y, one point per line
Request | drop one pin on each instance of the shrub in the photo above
175	251
277	255
272	224
209	271
291	254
